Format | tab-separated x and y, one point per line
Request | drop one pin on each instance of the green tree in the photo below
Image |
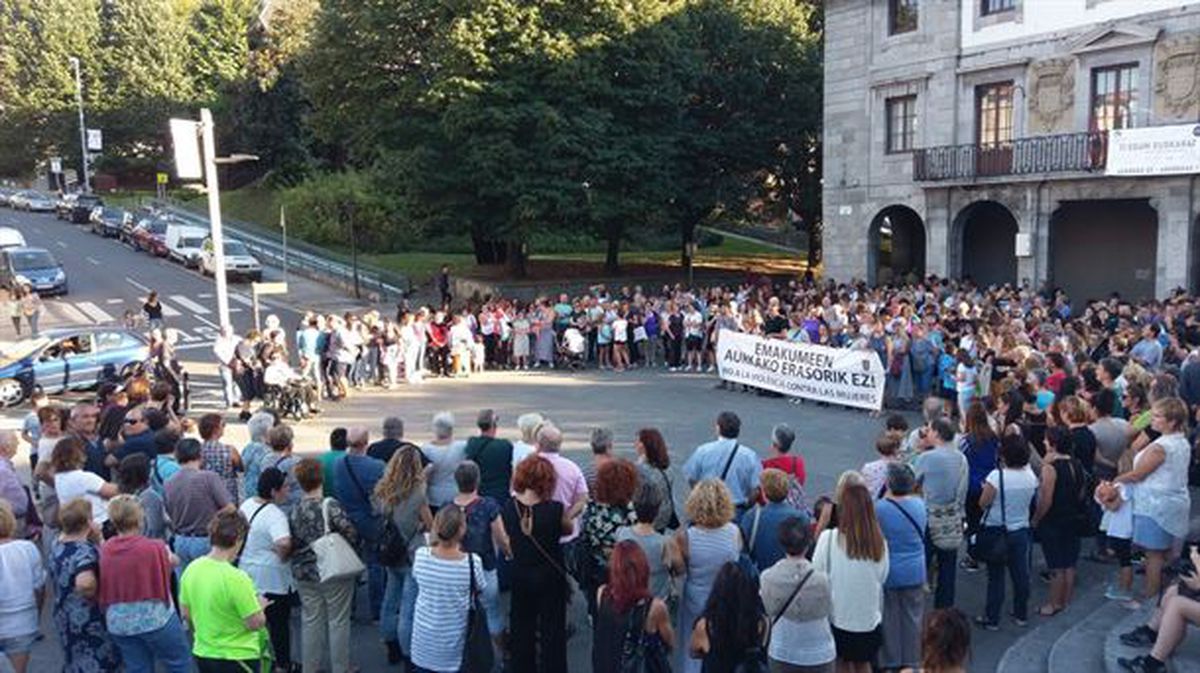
219	46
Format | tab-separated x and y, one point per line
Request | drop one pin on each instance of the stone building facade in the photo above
970	138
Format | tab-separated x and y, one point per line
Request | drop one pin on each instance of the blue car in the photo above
69	359
35	267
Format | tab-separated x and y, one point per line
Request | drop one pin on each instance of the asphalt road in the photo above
107	278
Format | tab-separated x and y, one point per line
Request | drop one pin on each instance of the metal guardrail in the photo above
302	258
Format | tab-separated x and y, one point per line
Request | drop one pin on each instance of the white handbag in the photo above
336	559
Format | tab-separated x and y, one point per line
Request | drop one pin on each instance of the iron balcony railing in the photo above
1072	152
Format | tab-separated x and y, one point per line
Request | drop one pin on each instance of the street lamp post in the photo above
83	152
214	214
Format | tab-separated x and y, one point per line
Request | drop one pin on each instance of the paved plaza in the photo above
682	405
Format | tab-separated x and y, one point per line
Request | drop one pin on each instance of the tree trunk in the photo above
815	245
517	256
612	253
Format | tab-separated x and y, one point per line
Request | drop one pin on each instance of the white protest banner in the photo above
1154	150
853	378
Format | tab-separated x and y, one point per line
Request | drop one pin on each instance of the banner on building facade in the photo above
853	378
1155	150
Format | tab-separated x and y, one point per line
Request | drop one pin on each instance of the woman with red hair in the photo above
607	512
624	604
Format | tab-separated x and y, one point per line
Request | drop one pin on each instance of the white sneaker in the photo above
708	369
672	369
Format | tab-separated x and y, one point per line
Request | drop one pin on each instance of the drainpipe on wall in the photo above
1191	239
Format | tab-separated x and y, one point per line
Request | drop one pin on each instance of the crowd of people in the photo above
1044	427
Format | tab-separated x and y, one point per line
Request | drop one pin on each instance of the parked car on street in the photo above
69	359
239	263
11	238
150	235
64	205
6	194
109	221
35	266
32	201
185	244
81	211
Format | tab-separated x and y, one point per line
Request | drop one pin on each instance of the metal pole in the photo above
348	212
87	187
283	225
214	214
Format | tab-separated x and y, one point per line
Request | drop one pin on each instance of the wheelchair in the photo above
288	400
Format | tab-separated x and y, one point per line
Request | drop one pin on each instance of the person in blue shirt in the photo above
1149	350
760	524
902	518
947	364
355	476
728	460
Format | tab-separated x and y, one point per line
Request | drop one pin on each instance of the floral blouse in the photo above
308	523
600	528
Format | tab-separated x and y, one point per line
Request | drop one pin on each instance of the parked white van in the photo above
185	244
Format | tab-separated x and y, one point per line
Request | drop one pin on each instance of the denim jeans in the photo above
490	597
393	594
168	644
408	608
188	549
1017	565
947	573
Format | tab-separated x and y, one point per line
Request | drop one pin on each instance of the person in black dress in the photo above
534	523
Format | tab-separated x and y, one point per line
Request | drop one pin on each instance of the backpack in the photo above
795	494
477	538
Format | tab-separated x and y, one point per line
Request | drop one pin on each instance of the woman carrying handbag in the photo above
1005	539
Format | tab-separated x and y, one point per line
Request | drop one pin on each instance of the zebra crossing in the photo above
188	315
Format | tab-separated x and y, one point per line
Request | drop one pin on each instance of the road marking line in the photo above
61	244
205	295
208	322
169	312
234	309
67	312
188	347
241	299
95	262
136	284
189	304
114	301
94	312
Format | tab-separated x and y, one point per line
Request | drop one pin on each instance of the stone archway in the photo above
896	246
986	239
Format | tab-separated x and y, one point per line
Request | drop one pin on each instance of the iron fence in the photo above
1072	152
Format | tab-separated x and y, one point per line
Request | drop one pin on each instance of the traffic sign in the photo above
162	178
269	288
55	165
95	140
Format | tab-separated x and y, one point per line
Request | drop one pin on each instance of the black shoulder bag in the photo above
477	656
729	462
673	522
990	544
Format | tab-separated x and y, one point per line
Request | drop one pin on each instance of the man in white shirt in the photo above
225	349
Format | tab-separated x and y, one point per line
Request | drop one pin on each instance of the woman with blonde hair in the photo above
711	541
75	566
400	496
854	555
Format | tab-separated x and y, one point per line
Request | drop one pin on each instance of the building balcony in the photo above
1041	155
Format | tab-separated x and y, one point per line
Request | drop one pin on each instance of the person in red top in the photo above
135	594
1058	372
439	345
782	438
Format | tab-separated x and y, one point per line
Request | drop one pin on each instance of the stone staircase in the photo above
1185	660
1048	646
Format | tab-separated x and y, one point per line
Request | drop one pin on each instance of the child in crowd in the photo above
1117	524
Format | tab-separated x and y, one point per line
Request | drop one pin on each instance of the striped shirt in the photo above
440	617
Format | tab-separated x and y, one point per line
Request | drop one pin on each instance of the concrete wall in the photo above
1048	54
1037	18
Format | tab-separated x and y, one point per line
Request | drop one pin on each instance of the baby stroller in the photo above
572	348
